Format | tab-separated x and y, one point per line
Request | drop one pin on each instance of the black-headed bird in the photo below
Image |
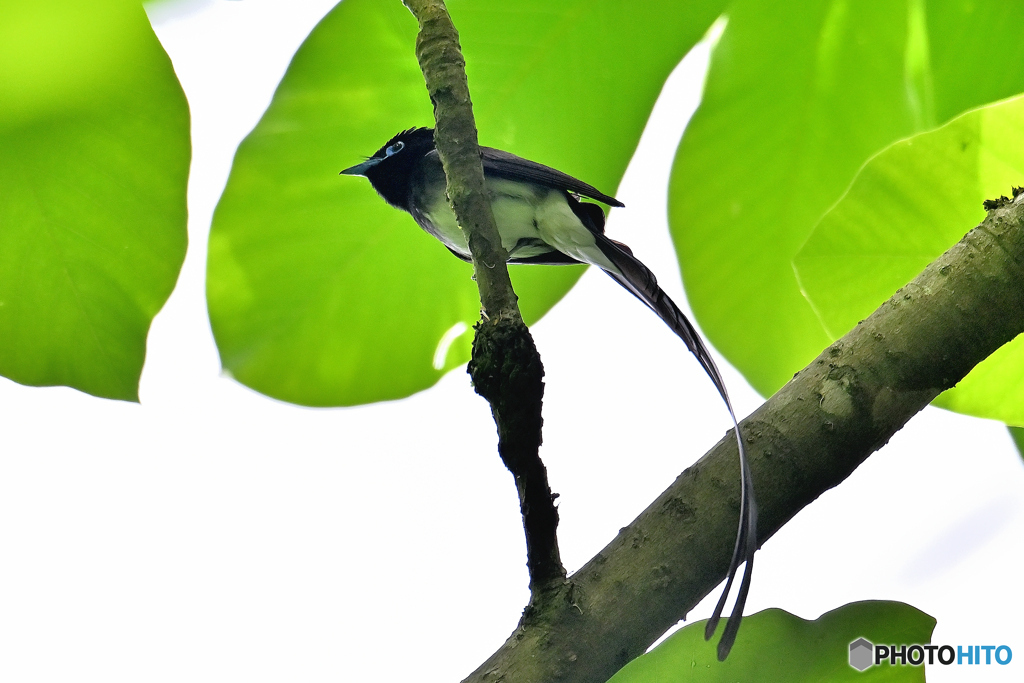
542	220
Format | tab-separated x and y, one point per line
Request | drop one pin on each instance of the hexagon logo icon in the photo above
861	654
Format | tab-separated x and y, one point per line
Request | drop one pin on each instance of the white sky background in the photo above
212	534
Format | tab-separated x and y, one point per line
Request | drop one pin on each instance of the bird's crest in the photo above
412	136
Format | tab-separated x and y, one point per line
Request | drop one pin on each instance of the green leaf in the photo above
907	206
798	97
321	294
775	645
94	155
1018	438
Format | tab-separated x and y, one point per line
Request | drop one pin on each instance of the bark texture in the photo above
803	441
506	368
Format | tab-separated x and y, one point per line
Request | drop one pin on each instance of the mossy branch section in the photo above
803	441
506	368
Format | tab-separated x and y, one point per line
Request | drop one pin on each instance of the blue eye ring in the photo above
394	149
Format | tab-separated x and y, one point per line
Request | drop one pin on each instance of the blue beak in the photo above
361	169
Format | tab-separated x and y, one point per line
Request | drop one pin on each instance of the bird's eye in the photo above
394	149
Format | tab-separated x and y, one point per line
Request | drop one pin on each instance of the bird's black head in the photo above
391	167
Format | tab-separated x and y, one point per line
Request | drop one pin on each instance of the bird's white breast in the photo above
524	213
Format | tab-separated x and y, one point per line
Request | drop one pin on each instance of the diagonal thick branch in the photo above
804	440
506	368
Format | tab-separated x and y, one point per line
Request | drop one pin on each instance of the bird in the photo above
542	219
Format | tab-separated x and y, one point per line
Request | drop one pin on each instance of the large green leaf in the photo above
907	206
798	97
775	645
319	293
94	155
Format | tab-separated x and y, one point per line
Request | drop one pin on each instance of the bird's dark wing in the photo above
641	282
511	167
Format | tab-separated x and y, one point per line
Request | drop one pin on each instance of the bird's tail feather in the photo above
641	282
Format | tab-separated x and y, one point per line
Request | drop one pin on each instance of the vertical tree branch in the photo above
506	368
